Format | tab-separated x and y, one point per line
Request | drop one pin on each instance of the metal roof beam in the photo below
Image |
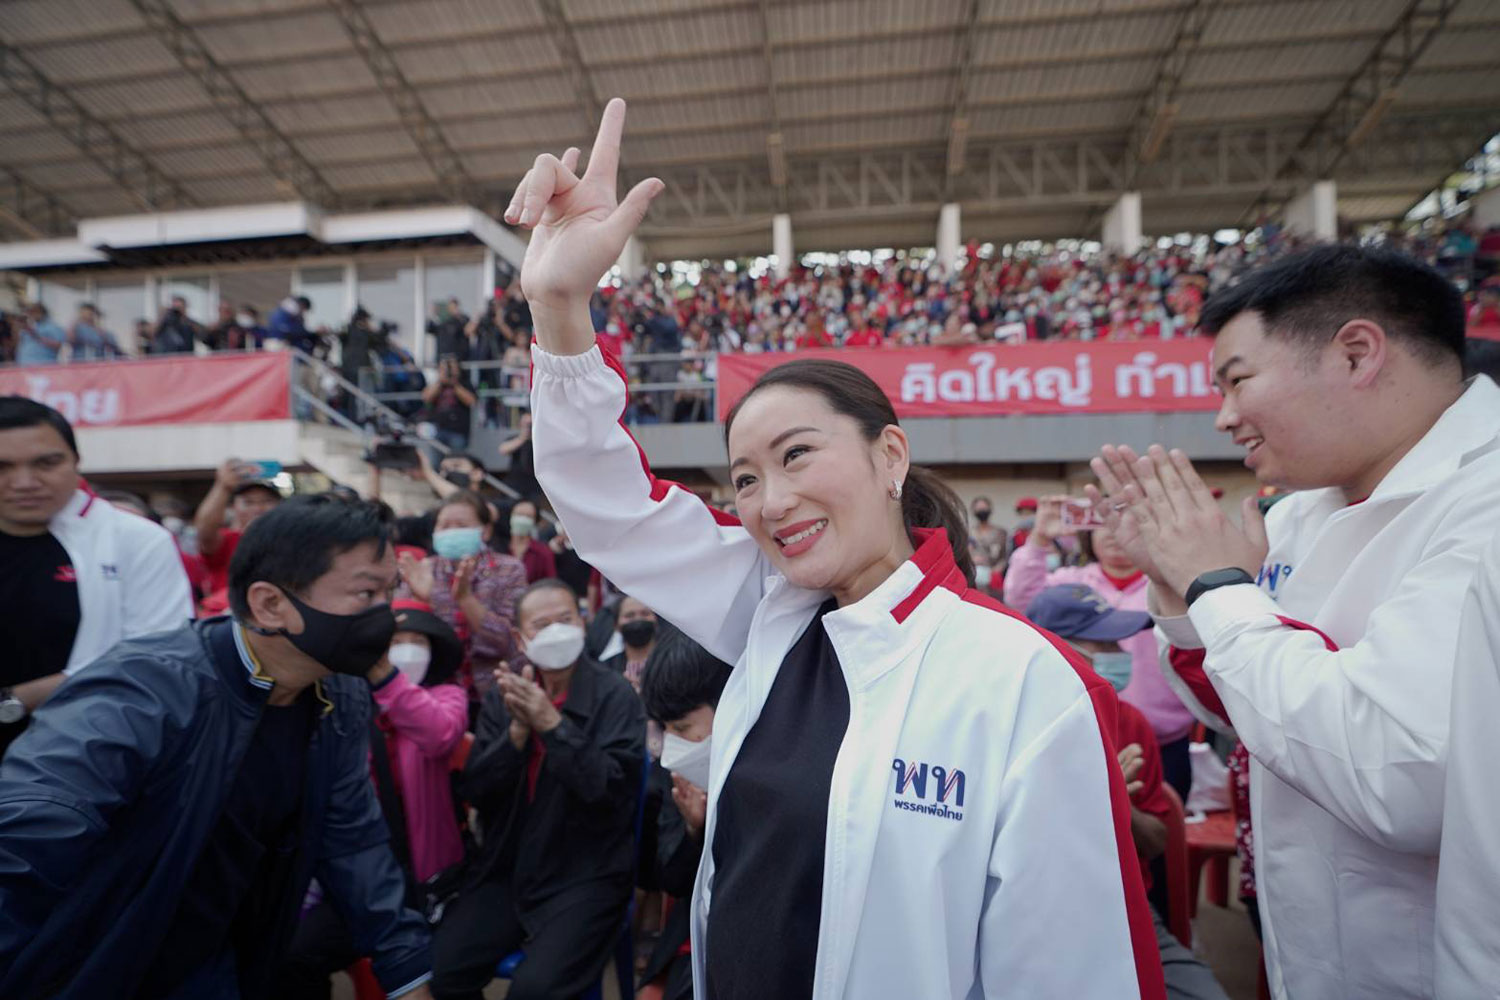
1366	95
32	210
958	121
453	178
775	143
1028	62
281	157
577	68
131	169
1159	111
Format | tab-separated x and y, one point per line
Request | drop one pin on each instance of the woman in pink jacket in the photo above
1111	574
423	714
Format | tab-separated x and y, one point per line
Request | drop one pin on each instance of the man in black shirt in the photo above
447	328
555	775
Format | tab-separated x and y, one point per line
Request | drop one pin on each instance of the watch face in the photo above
12	710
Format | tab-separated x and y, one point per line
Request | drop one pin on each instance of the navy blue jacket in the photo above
108	798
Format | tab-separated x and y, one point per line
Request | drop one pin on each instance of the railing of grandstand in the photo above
367	411
656	393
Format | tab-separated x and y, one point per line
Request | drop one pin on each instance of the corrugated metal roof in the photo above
847	75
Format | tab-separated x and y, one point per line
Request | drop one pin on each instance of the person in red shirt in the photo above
815	334
244	498
861	334
538	559
1090	625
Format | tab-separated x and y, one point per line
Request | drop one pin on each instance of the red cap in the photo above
415	551
1026	503
411	604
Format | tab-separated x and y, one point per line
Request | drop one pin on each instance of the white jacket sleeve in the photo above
653	539
1055	873
1468	949
1361	731
157	594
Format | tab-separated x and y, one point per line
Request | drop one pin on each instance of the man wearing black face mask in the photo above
636	624
161	820
987	542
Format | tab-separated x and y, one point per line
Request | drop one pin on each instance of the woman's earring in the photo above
895	490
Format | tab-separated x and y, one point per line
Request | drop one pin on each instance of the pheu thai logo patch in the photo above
929	789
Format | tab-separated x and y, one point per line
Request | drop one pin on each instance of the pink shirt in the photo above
423	725
1147	690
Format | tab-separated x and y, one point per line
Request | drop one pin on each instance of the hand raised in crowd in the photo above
578	226
1049	522
1132	761
692	803
520	731
527	700
1181	526
463	578
232	472
418	575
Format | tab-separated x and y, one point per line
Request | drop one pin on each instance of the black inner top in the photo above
772	825
38	613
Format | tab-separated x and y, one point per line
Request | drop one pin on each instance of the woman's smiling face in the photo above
811	490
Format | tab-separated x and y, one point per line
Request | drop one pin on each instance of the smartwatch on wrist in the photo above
12	709
1213	580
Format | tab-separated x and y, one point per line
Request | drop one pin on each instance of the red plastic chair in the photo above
1179	905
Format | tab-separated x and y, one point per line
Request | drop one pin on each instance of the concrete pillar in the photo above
781	243
1486	211
1315	212
632	260
1122	224
948	235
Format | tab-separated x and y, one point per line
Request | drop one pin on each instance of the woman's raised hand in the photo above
578	227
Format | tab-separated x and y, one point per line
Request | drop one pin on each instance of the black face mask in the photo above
638	633
345	644
459	479
982	516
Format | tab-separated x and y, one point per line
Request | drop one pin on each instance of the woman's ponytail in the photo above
928	502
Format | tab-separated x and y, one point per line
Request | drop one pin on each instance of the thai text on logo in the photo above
916	779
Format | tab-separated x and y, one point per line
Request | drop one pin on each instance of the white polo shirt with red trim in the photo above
1336	672
978	840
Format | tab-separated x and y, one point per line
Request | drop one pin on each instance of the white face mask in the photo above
686	758
556	647
982	576
411	659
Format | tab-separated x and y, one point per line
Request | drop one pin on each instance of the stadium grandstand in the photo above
272	230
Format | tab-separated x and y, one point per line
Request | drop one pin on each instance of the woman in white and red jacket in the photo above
1110	574
912	791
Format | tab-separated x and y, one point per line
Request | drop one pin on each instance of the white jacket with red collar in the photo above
129	572
1011	872
1336	673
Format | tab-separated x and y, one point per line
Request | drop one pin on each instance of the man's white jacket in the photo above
978	837
130	575
1468	889
1336	672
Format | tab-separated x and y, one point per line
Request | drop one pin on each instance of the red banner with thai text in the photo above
990	380
173	390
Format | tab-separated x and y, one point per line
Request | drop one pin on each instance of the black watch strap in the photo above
1213	580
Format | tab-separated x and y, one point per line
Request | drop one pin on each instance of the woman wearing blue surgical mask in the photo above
471	587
